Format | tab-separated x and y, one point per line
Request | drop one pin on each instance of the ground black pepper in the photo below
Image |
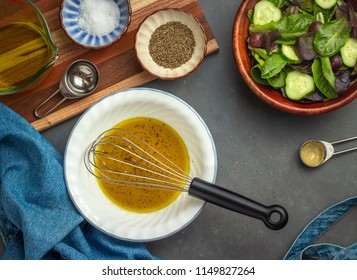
172	44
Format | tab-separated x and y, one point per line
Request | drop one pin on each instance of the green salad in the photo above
305	48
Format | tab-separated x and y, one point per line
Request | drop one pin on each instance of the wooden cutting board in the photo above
117	64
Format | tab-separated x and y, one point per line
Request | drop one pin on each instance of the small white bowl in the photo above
147	28
84	190
69	15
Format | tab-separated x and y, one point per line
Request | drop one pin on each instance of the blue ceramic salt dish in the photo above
72	12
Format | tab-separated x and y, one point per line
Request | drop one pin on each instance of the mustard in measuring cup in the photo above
314	153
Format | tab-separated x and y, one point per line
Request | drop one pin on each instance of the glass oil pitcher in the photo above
27	49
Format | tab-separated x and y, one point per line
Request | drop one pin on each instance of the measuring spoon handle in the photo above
343	141
38	115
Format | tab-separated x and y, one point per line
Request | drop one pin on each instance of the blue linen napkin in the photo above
37	217
304	246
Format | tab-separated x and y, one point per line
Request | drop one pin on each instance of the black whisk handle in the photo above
274	217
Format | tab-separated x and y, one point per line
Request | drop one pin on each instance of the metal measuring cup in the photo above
80	79
314	153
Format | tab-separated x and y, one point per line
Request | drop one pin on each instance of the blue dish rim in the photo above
64	27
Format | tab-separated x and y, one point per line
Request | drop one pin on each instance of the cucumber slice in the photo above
298	85
265	12
289	54
349	52
326	4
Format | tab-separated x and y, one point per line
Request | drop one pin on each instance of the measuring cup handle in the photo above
232	201
39	116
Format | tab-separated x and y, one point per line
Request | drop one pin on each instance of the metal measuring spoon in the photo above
80	79
314	153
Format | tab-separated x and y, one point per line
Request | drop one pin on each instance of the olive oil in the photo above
161	137
23	53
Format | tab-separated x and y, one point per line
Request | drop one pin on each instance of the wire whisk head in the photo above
119	157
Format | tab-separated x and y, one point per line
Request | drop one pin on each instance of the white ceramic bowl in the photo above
147	28
84	189
69	15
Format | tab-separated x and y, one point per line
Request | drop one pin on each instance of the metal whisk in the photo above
132	162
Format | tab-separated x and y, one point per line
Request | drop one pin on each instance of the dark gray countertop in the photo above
257	149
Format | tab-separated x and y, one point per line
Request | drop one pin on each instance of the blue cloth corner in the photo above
37	217
304	246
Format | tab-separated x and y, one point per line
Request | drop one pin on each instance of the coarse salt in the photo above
98	17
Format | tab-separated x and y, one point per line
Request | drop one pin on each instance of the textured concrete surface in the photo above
257	149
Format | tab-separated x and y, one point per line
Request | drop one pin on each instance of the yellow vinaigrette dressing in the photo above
164	139
23	52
